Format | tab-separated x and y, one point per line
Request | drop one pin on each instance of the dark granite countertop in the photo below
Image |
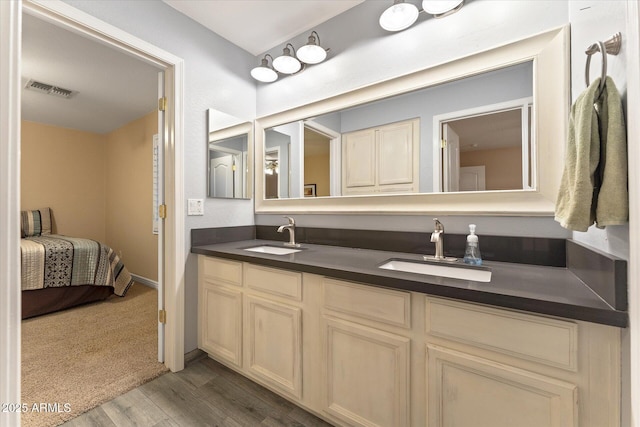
538	289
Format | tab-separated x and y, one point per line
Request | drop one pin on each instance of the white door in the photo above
222	176
451	157
160	202
472	178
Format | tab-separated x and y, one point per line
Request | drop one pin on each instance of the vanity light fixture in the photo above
287	63
399	16
402	15
312	52
265	72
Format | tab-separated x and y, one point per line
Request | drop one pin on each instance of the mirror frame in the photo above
549	52
232	131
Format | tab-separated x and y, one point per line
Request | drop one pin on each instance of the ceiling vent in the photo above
49	89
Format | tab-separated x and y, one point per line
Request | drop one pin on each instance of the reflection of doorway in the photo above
271	174
225	177
495	139
222	176
317	161
324	138
85	24
130	143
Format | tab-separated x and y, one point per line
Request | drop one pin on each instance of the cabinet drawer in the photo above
548	341
222	270
272	281
368	302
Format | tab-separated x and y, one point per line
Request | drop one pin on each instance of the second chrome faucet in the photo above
292	232
437	237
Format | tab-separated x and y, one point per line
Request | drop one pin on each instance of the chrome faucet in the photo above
437	237
292	232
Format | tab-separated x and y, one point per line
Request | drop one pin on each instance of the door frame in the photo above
335	155
88	26
10	298
440	119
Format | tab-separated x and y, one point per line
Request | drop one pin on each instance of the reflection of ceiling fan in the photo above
271	166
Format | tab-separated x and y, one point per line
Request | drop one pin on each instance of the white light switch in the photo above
195	207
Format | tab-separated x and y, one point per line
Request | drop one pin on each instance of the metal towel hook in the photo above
610	47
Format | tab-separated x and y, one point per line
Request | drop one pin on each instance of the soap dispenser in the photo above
472	251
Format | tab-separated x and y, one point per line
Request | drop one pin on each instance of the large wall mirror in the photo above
229	143
482	134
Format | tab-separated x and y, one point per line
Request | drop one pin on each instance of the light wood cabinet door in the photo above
273	344
382	159
221	322
396	154
359	156
366	375
465	390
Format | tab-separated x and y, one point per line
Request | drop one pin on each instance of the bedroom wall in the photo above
97	186
129	195
64	169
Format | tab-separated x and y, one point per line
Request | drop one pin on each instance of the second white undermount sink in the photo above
273	250
477	274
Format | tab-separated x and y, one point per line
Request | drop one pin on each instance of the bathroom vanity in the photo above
358	345
371	335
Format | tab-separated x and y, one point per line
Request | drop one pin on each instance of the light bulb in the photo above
399	16
312	52
286	63
263	72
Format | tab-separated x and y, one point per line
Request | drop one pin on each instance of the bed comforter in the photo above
55	261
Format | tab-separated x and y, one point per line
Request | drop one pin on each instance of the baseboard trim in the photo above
194	356
144	281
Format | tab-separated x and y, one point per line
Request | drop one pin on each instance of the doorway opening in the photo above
486	148
171	251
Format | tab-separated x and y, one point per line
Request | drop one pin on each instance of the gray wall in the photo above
592	21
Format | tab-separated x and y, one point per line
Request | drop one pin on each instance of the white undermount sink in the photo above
477	274
273	250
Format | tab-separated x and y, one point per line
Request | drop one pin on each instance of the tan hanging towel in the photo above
593	188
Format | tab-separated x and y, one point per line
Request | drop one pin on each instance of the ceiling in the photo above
501	129
259	25
114	89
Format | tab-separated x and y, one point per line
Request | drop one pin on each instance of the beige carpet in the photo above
77	359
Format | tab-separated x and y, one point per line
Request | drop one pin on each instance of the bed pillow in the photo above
35	222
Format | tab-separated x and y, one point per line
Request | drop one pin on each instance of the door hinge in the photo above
162	104
443	143
162	211
162	316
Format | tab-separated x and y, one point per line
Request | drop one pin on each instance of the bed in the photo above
59	272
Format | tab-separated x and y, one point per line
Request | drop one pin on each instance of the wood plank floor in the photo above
205	393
